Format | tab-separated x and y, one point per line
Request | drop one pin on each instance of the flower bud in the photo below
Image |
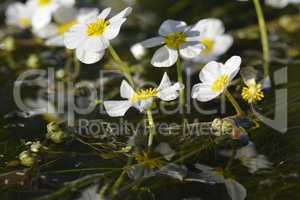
60	74
33	61
27	158
55	133
9	44
221	127
36	147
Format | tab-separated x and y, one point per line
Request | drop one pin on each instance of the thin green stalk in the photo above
235	104
10	60
180	80
152	132
263	35
121	64
120	179
77	67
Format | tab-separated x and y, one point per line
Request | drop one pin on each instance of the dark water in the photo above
67	169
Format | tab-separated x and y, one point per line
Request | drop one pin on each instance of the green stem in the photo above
10	60
152	132
235	104
264	36
121	64
77	67
180	80
120	179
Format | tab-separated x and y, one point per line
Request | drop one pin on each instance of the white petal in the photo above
41	18
277	3
104	13
121	15
222	44
66	2
75	36
48	31
65	14
190	50
55	41
165	150
165	82
235	190
116	108
89	57
152	42
170	26
126	91
202	92
144	104
210	27
232	66
86	14
113	29
164	57
170	93
95	43
210	72
205	58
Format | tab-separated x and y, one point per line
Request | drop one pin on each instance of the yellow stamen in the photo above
253	92
209	45
43	2
64	27
220	83
97	28
146	161
144	94
23	21
175	40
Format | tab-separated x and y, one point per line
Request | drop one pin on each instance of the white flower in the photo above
251	159
279	3
91	38
65	18
215	78
19	15
43	10
235	190
213	38
176	37
142	98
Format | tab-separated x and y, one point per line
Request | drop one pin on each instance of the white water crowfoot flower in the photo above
176	37
235	190
215	78
143	98
213	38
91	38
19	15
65	18
43	10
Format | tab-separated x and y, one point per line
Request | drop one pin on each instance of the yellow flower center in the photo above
175	40
253	92
146	161
220	83
144	94
64	27
23	21
97	28
43	2
209	45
